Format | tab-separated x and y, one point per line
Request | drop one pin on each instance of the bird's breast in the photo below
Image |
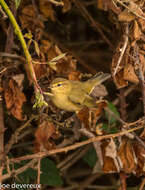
62	102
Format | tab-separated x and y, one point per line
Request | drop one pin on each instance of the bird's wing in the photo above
80	97
77	94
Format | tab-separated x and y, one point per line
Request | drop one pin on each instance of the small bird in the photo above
74	95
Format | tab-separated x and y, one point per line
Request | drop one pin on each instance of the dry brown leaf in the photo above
19	78
136	31
14	99
113	7
40	71
47	9
43	134
140	154
83	116
119	80
95	113
126	156
65	67
142	61
142	24
136	9
45	46
111	151
99	129
74	75
66	6
129	74
108	162
28	18
131	12
126	16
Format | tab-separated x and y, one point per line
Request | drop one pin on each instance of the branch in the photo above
77	145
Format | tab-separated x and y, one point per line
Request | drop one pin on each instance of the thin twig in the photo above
96	25
126	126
131	10
142	184
56	3
38	171
122	49
20	170
77	145
14	136
76	158
2	129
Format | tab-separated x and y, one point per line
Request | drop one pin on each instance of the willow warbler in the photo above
73	95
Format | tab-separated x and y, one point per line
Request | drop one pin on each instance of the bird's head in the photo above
60	86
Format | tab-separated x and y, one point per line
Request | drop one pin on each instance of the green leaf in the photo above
17	3
110	118
27	175
49	173
39	100
36	47
90	157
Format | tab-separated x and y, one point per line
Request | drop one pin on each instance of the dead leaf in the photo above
142	61
65	67
136	31
111	151
14	99
66	6
83	116
28	19
142	23
45	46
127	156
19	78
140	154
108	162
136	9
74	75
130	13
40	71
45	131
119	80
47	9
126	16
99	129
129	74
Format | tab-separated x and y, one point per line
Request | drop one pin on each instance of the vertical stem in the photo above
23	43
1	140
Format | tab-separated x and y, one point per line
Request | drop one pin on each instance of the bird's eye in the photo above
59	84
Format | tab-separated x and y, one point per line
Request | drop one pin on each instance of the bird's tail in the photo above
96	80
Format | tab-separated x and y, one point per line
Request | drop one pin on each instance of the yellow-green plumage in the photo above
73	95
